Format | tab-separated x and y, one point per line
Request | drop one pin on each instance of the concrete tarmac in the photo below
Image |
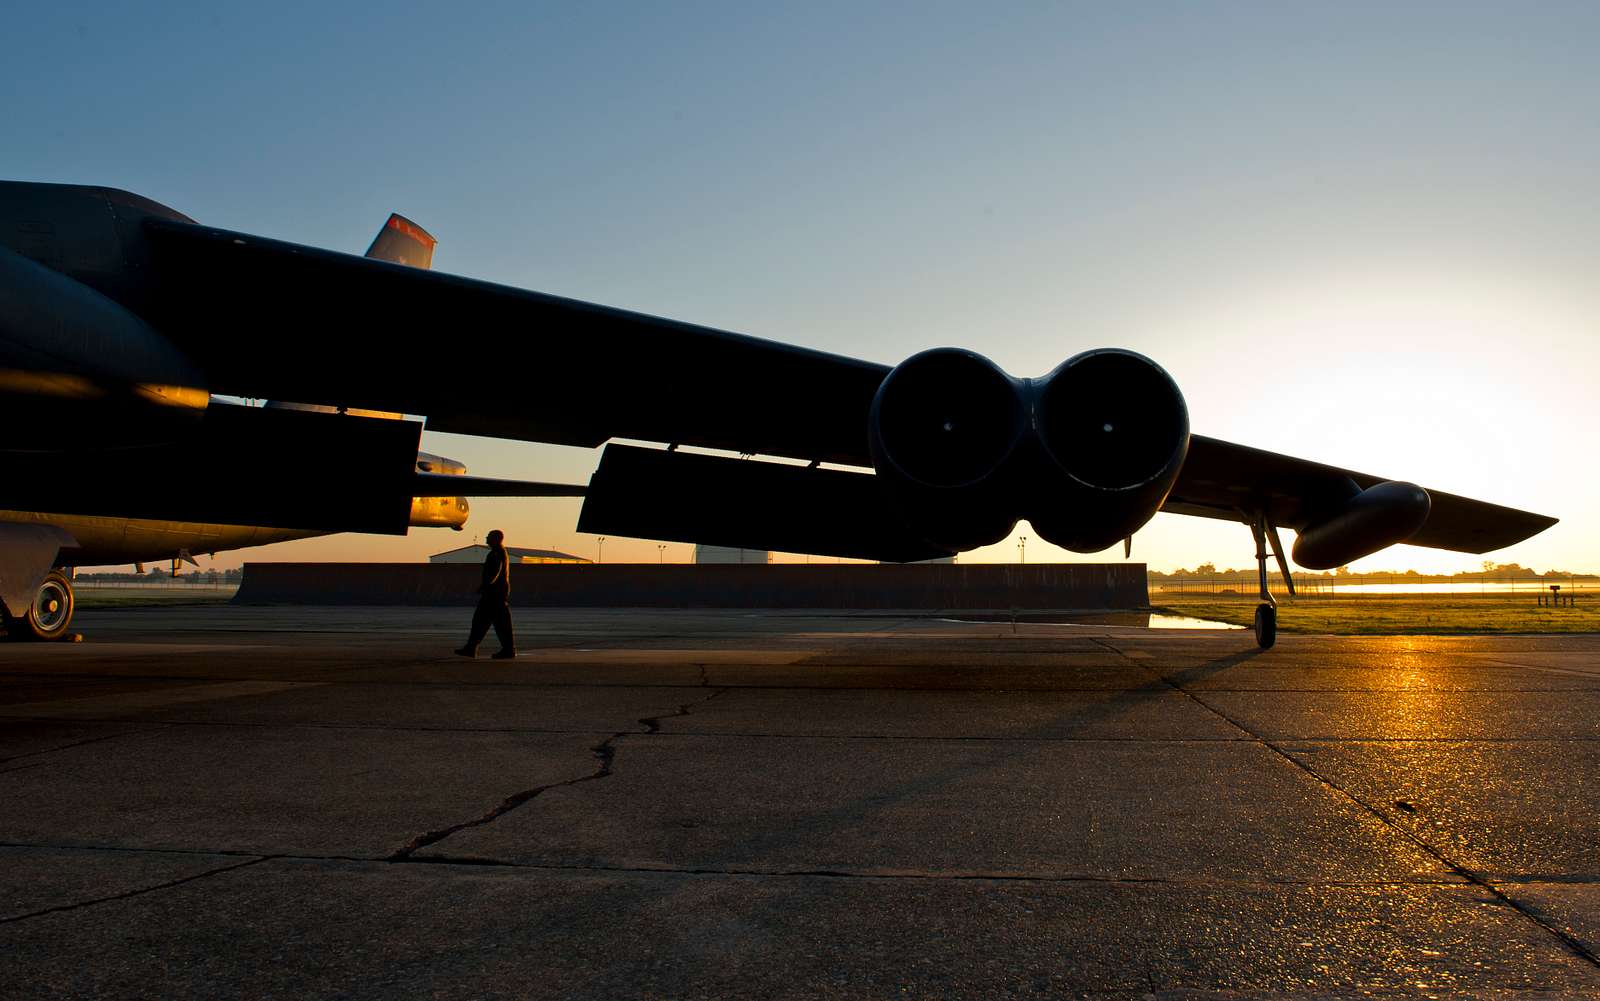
213	801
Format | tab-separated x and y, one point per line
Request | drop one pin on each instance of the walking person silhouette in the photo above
494	602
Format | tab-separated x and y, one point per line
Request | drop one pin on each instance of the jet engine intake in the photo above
1113	431
942	431
1375	518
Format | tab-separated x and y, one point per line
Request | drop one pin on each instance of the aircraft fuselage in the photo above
104	541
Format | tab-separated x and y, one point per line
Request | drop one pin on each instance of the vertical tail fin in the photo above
402	241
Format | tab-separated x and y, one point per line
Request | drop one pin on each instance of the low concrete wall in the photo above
642	585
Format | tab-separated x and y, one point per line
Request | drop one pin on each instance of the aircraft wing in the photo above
485	359
1220	479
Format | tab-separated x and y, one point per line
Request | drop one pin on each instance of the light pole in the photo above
661	553
1022	549
601	557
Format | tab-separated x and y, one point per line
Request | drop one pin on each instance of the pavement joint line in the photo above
134	850
1005	877
23	767
471	685
922	738
605	751
971	739
1535	878
270	725
136	893
76	743
480	861
1330	739
1571	943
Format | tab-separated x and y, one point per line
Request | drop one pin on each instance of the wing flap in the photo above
743	503
244	466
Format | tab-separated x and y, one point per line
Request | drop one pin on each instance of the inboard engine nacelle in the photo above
1087	454
79	370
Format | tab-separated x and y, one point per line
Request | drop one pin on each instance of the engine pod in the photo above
1113	431
1378	517
943	429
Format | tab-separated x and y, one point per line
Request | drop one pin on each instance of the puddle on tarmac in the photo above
1138	620
1160	621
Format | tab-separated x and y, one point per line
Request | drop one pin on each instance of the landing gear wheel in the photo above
50	614
1266	626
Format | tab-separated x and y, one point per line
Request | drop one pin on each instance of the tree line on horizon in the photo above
1491	571
187	574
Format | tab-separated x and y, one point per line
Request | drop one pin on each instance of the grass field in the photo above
1394	614
133	597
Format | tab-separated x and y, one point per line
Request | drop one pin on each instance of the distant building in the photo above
725	554
475	554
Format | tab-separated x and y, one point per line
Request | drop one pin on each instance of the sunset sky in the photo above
1363	234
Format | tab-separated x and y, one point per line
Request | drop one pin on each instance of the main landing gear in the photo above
50	613
1266	622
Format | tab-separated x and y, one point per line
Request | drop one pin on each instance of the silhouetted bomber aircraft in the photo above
119	318
112	493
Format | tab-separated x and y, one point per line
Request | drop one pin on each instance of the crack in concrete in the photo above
1102	644
652	724
605	752
138	892
1571	943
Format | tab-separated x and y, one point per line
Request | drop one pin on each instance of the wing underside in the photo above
453	485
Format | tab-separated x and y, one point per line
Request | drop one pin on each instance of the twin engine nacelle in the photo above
1086	454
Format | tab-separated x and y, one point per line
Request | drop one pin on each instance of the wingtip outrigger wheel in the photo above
1266	620
1266	626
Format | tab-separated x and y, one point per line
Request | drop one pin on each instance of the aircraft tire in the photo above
50	614
1266	626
